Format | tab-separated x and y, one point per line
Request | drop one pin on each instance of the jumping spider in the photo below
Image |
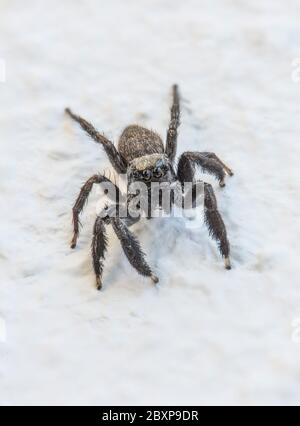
141	155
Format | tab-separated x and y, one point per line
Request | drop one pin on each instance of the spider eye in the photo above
147	175
136	174
158	172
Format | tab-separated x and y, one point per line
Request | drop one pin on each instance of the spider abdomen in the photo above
136	141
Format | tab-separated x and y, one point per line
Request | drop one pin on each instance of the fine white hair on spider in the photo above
148	161
143	157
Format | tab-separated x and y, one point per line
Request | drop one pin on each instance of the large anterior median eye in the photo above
158	172
136	174
147	175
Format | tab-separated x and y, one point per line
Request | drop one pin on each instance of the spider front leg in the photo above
129	243
216	158
114	156
83	197
171	146
208	162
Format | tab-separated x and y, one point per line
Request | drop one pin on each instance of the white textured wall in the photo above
206	336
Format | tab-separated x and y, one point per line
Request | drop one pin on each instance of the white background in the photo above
206	335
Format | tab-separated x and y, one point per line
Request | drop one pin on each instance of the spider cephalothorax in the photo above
144	159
